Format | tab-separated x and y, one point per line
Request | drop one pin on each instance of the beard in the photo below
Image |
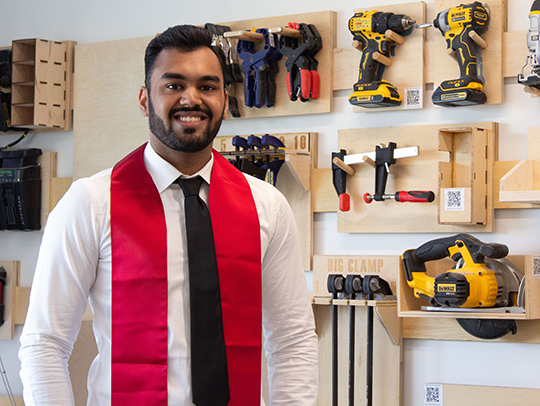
186	140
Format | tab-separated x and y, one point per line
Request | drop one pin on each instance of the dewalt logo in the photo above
446	288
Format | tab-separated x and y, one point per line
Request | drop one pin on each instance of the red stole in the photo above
139	283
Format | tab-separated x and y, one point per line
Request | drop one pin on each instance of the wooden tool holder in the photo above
325	21
521	184
447	157
406	69
294	180
465	174
387	330
410	306
41	84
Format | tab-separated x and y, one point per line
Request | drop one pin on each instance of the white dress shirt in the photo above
74	265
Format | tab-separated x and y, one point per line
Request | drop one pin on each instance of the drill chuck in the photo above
399	23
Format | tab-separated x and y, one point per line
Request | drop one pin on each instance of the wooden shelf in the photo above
41	84
522	183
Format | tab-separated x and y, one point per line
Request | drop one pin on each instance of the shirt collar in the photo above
164	174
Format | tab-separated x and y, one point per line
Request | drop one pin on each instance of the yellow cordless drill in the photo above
456	24
369	28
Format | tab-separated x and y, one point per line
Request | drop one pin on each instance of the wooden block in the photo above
346	62
47	161
22	298
59	187
12	281
407	68
104	132
447	329
445	68
324	195
515	53
386	266
5	401
534	143
414	173
500	169
471	395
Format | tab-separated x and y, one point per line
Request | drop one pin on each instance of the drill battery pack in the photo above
375	94
460	92
20	190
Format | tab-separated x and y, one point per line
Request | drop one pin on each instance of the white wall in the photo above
490	363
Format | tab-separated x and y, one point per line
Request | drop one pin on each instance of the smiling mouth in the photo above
188	119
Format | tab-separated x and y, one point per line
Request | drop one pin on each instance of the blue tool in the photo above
260	68
272	141
255	142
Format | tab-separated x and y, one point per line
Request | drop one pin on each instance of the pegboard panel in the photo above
407	69
325	22
414	173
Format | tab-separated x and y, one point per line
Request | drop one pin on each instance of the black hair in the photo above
182	37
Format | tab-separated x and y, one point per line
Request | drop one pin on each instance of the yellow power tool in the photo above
533	43
483	277
456	24
369	29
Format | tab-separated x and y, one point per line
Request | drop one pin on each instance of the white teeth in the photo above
190	119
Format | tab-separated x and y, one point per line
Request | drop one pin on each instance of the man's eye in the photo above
208	88
173	86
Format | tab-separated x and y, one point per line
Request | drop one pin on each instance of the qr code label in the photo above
536	268
433	395
454	199
413	97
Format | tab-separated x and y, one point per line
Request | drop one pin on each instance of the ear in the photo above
225	111
143	101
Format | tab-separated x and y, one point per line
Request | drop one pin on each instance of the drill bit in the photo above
424	25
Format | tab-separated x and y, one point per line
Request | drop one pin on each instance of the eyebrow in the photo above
179	76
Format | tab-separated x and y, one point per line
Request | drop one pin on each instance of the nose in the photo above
190	97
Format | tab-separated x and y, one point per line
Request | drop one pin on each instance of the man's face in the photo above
186	102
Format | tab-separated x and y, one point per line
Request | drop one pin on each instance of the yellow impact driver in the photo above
456	25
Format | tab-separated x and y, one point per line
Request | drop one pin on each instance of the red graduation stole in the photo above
139	283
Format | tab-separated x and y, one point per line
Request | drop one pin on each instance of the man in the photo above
119	239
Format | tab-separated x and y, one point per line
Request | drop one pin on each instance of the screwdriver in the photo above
414	196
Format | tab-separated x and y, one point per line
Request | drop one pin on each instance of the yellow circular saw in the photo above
482	276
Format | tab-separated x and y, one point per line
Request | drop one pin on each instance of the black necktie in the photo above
210	381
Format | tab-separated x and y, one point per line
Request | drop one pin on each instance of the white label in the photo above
433	395
414	97
454	199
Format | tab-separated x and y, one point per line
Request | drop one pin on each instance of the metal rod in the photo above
334	352
369	360
352	317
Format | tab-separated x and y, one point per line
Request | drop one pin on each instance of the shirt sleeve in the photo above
64	274
288	323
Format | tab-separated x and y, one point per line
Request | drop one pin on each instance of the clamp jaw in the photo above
260	68
302	77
